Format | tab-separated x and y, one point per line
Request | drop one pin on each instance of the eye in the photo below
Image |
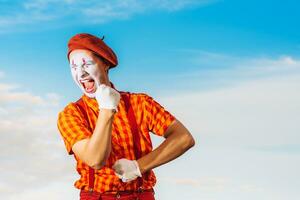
87	65
74	67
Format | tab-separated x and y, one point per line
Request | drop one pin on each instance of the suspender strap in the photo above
135	133
81	106
133	126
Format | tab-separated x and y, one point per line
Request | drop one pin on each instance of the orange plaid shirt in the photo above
150	117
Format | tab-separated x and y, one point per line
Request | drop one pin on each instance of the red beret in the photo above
94	44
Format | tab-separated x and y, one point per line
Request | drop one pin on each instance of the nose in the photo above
82	73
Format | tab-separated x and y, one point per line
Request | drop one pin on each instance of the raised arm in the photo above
95	150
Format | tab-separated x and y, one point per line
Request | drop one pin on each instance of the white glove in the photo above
127	170
107	97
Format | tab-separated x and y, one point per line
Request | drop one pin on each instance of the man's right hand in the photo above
107	97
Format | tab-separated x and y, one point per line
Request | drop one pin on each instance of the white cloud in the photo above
261	101
266	65
242	132
177	5
203	183
250	188
106	11
6	87
208	71
35	11
30	144
246	132
13	94
218	65
55	190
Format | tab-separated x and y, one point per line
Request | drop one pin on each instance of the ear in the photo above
106	67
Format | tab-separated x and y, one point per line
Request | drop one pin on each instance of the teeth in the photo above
83	81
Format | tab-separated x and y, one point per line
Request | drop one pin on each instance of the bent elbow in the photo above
97	166
99	163
192	141
189	141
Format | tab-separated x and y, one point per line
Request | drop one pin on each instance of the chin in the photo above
91	95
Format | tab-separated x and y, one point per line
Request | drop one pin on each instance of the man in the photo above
108	130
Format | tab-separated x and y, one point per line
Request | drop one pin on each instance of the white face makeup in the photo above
85	72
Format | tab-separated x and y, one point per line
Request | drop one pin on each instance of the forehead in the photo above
79	54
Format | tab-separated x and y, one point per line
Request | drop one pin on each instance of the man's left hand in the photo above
127	170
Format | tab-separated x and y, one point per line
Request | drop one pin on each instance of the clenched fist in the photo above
107	97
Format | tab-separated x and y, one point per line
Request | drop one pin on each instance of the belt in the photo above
117	194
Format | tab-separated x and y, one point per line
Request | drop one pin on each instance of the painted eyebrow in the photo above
72	64
86	62
89	62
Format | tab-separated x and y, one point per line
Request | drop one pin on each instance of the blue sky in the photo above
230	70
147	40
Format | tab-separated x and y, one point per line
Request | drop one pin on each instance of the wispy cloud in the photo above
13	94
208	70
36	11
246	131
203	183
281	148
105	11
218	62
1	74
212	184
253	98
30	144
57	190
262	111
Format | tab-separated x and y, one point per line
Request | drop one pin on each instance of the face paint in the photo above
85	72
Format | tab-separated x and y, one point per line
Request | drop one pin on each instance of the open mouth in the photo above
88	85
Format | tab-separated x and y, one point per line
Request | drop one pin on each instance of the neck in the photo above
108	83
